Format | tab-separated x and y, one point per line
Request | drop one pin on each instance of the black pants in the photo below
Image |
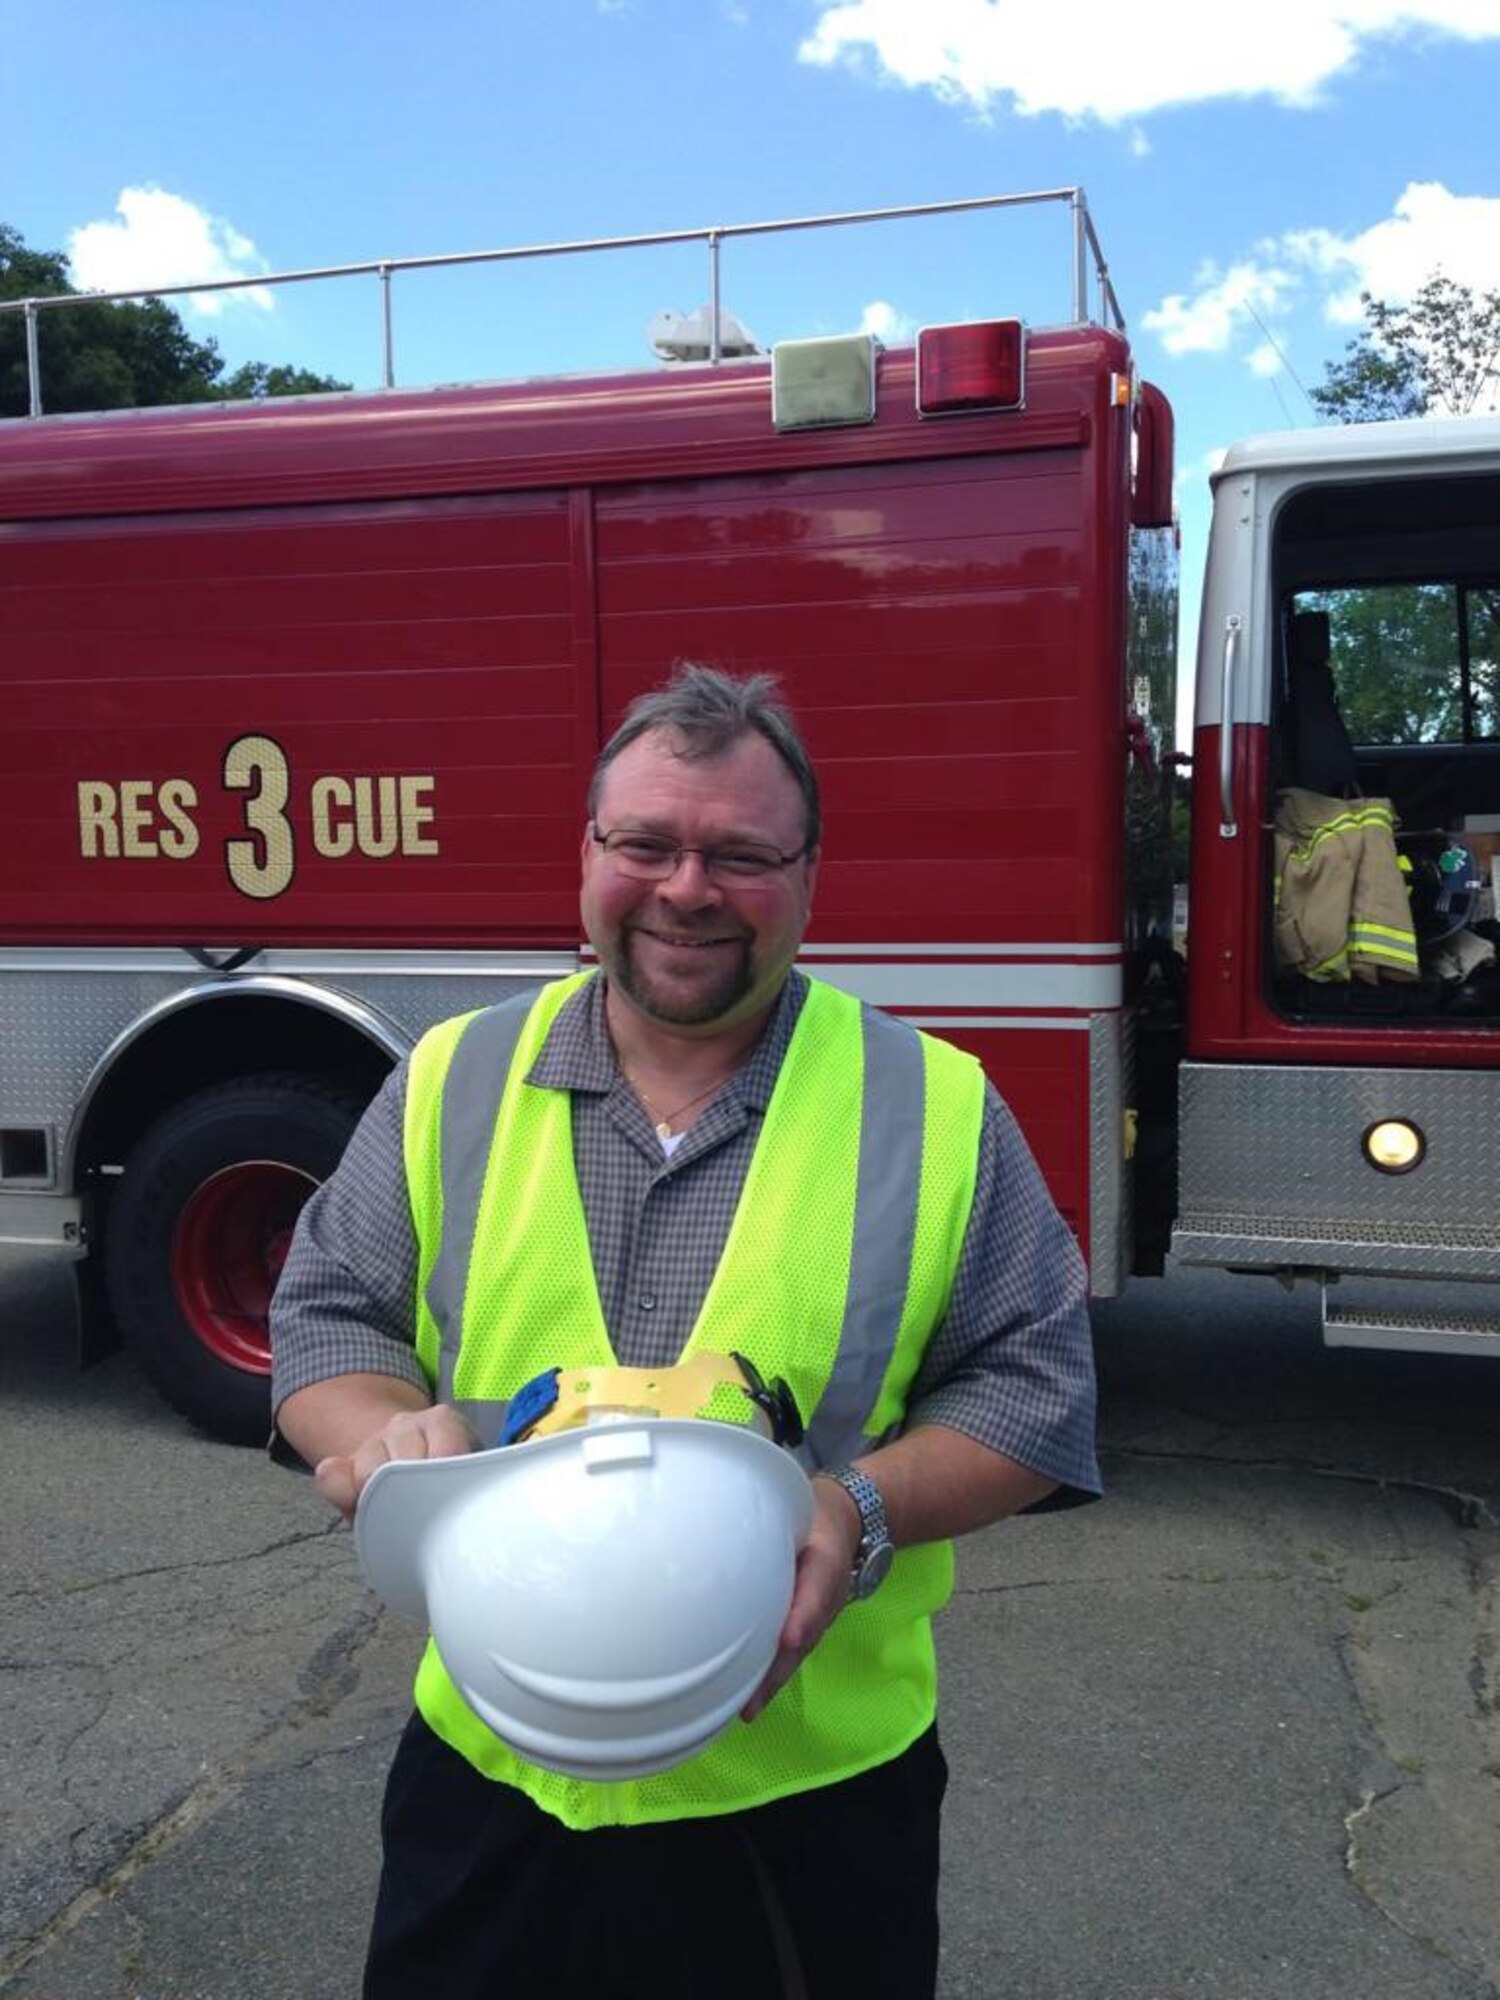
825	1894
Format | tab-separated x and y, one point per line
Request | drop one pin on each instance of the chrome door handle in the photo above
1233	625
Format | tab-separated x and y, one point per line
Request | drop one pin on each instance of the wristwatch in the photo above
876	1551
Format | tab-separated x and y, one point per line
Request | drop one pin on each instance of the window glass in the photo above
1414	662
1483	608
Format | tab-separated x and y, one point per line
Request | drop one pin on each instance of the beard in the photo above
729	977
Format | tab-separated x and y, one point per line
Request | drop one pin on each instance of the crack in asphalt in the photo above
1467	1510
1481	1675
333	1670
1370	1801
330	1674
1375	1726
189	1812
1472	1514
1206	1579
305	1537
302	1538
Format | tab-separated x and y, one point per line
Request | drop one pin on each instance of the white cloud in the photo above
163	239
882	319
1429	228
1094	62
1264	360
1208	322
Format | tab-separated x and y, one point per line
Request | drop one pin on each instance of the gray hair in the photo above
710	711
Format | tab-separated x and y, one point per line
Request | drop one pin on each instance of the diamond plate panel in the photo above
54	1027
58	1023
1272	1171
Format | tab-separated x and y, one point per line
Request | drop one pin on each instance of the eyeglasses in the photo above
652	857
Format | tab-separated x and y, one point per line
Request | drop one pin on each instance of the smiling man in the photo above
697	936
698	872
798	1854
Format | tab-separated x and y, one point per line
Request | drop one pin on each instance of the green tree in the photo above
109	357
1414	662
1438	355
1397	648
257	380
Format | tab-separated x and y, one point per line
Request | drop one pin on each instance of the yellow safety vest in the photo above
837	1269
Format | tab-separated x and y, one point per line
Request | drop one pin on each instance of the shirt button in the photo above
647	1302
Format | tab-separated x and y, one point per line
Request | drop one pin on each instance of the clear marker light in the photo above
1394	1146
817	383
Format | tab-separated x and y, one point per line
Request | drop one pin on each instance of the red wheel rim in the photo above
229	1246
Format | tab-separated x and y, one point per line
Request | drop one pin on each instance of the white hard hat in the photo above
606	1599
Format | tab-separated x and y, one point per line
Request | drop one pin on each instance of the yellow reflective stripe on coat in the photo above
1350	822
1389	934
1389	950
1331	969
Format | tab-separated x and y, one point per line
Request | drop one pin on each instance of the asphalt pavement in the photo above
1230	1733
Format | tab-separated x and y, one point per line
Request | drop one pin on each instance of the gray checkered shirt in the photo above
1010	1365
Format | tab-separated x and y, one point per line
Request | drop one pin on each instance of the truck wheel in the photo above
198	1231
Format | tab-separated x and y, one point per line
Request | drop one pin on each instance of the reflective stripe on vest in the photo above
885	1211
865	1165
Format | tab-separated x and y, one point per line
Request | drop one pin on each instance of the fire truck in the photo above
301	699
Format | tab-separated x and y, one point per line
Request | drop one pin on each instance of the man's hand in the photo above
935	1483
821	1591
346	1425
436	1432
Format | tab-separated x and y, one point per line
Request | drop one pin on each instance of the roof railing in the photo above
1087	263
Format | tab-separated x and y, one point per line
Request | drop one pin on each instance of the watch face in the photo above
874	1570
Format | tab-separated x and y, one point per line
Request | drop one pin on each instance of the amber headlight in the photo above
1394	1146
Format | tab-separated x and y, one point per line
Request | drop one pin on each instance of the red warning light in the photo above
978	366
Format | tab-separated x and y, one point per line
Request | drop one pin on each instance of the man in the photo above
799	1853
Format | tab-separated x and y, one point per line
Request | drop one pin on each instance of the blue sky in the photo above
1250	169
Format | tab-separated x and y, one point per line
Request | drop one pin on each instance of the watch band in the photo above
876	1551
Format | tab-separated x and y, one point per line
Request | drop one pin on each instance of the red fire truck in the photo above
301	699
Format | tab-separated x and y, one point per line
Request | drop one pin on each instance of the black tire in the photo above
196	1232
